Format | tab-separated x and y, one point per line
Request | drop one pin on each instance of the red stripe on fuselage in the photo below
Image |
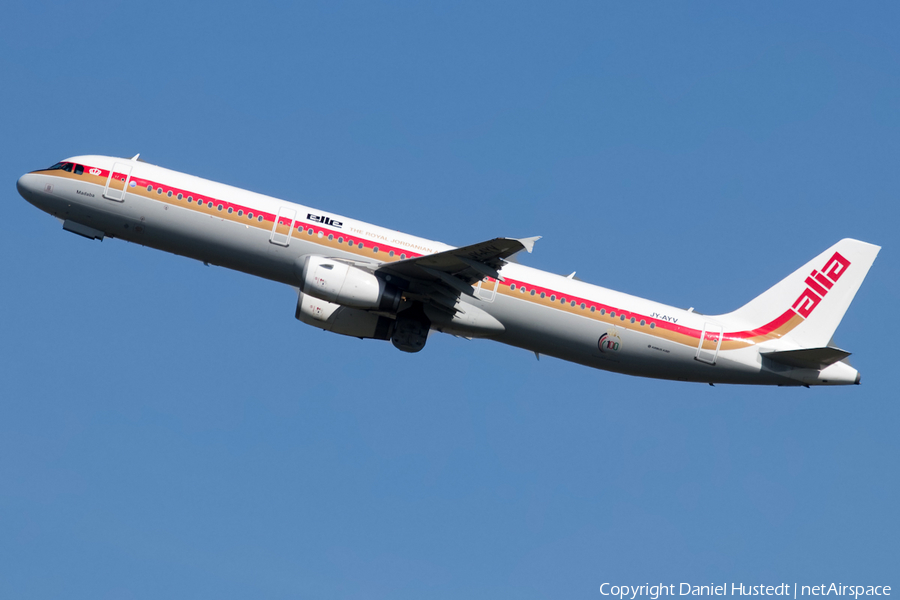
302	226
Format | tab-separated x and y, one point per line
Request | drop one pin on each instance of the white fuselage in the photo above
542	312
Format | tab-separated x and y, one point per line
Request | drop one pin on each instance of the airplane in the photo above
361	280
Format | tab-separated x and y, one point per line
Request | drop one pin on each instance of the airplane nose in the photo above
27	185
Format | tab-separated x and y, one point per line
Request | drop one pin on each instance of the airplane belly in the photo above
609	347
220	242
173	229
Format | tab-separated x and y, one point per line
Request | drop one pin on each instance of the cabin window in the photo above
652	325
632	319
602	311
341	240
321	235
230	210
512	286
169	194
180	196
250	216
562	300
532	292
572	303
159	190
612	314
593	308
240	213
391	253
622	317
79	169
375	249
403	256
309	231
359	245
643	322
149	188
209	204
553	297
330	236
259	218
523	290
543	294
220	207
583	306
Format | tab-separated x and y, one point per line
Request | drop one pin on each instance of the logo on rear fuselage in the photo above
609	343
819	283
323	220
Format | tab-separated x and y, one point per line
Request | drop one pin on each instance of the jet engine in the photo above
343	284
342	319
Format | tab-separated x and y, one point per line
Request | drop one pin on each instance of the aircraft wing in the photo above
441	277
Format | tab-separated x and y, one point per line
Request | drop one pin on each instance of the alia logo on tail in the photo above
818	284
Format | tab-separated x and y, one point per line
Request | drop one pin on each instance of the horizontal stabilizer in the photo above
808	358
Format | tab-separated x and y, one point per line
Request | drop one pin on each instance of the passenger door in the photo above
487	289
117	182
283	227
710	342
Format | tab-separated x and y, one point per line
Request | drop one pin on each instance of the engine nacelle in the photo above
342	319
342	284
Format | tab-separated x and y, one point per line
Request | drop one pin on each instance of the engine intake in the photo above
340	283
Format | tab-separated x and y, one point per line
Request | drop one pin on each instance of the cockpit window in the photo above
67	166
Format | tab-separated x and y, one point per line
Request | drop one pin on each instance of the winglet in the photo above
529	242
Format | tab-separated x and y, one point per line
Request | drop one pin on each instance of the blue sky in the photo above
169	430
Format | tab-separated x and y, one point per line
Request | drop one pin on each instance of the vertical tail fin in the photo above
808	305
